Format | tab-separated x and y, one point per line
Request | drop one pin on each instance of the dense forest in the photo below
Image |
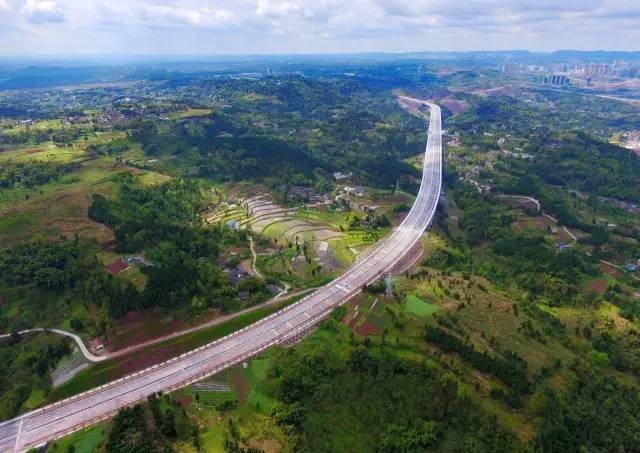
293	129
164	223
537	112
26	371
510	256
359	399
59	273
30	174
580	162
588	417
151	427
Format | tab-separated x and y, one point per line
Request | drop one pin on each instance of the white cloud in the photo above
175	15
277	8
43	11
158	26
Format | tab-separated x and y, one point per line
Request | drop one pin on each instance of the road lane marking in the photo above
15	447
342	288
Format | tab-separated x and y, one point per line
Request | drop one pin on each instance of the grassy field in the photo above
256	374
213	398
190	113
84	441
36	398
58	208
290	265
333	219
419	307
341	251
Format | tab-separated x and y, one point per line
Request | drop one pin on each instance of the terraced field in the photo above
69	367
214	391
286	225
330	243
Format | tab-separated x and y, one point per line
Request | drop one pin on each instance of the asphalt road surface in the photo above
61	418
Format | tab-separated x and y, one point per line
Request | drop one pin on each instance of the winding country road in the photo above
83	349
61	418
281	296
284	294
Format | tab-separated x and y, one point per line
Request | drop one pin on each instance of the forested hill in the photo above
567	148
303	128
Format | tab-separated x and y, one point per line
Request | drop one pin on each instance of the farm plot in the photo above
214	391
68	367
58	208
329	237
598	285
365	315
280	223
253	209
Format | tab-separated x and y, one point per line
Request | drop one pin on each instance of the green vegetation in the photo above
131	427
85	441
587	415
511	370
338	399
583	163
44	281
419	307
163	222
25	377
227	146
31	174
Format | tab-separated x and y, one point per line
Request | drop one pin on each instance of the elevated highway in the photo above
64	417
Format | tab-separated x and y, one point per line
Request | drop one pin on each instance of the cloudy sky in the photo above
73	27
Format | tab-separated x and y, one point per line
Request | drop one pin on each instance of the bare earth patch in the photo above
239	383
597	286
455	105
138	327
610	270
61	214
367	328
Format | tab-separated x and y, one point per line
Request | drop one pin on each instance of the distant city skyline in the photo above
201	27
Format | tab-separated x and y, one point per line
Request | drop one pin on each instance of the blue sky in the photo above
75	27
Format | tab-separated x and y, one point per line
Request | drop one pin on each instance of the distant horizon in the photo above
202	57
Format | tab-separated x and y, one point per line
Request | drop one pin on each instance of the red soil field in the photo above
610	270
117	266
352	323
543	223
239	383
367	328
137	327
521	225
563	236
185	400
597	286
136	362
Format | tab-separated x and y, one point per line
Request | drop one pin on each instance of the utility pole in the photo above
388	280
